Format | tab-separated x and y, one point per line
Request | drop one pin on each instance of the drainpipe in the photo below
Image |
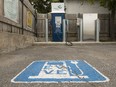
22	16
35	26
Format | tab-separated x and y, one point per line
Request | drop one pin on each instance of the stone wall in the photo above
15	35
10	42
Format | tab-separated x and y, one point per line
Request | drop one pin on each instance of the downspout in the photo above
35	25
22	17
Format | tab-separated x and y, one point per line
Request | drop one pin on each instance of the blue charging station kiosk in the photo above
58	15
57	26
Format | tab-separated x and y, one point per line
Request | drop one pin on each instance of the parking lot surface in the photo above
102	57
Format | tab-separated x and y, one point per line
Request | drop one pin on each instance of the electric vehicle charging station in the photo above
58	14
88	27
57	26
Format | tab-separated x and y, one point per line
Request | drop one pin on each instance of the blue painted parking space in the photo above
77	71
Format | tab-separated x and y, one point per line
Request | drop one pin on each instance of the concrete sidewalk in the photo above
101	56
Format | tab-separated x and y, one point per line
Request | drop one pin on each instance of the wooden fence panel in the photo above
73	30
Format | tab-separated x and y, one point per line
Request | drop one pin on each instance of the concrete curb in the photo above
74	43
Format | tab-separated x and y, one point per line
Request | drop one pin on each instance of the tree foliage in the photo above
43	6
109	4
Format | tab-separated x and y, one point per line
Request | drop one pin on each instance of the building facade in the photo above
77	6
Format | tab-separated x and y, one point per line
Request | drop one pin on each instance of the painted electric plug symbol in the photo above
74	69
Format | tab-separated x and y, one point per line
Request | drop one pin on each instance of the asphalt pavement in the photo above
101	56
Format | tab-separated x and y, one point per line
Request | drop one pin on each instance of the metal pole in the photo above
81	30
97	29
35	25
67	25
64	31
46	30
